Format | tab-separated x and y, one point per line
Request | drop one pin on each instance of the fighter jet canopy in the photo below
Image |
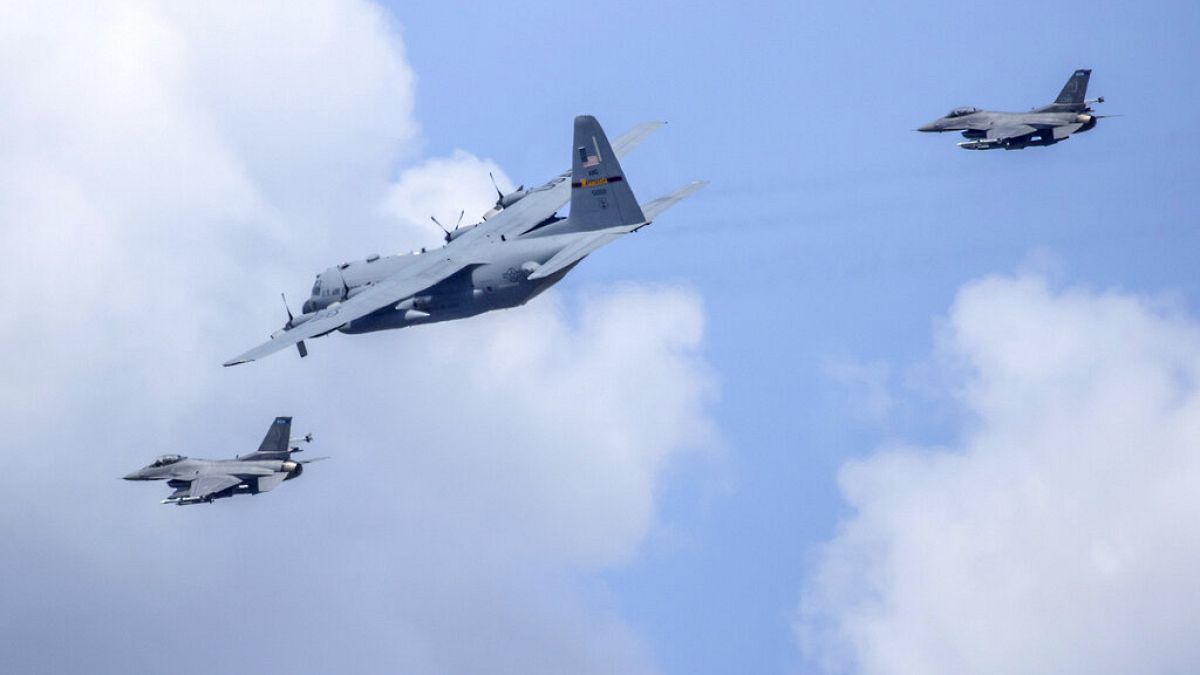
959	112
164	460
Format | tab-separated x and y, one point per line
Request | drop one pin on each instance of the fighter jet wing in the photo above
594	240
545	200
414	279
209	485
1006	132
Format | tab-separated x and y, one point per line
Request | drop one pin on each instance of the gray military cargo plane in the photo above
200	481
521	248
1047	125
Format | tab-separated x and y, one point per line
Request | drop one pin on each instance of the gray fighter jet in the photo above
521	248
198	481
1047	125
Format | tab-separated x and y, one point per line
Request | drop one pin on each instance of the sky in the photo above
867	403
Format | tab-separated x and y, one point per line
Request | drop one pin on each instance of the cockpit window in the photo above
959	112
167	459
317	287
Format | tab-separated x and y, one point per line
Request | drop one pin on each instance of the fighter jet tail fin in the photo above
600	196
1075	90
275	444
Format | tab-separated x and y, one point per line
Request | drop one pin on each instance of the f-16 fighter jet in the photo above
521	248
198	481
1047	125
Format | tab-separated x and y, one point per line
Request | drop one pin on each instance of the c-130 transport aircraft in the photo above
520	249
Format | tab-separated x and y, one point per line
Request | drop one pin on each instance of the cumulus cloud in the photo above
1058	534
460	180
170	170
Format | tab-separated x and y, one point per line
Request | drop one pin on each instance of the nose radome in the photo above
932	126
133	476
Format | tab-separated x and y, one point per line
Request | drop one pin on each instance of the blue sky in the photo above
831	232
816	307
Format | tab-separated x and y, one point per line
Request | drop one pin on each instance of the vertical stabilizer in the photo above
1075	90
600	195
275	443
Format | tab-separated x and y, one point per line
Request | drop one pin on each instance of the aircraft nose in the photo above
932	126
136	475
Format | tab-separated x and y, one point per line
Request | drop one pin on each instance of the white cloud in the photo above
170	170
1058	535
442	187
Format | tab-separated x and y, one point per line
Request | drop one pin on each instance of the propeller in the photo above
300	347
500	194
456	225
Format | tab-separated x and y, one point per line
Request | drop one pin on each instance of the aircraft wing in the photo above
1008	131
436	267
545	200
210	485
585	245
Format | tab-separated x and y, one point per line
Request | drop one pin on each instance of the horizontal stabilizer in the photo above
634	137
268	483
575	252
586	245
652	209
1066	130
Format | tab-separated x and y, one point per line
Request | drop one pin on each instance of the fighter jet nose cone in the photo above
927	127
132	476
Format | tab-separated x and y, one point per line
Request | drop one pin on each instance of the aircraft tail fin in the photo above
600	196
275	444
1075	90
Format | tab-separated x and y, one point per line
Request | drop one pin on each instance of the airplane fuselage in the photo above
499	281
975	127
180	474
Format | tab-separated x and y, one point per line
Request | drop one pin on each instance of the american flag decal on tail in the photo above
589	159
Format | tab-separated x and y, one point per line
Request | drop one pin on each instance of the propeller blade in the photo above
285	306
441	227
498	192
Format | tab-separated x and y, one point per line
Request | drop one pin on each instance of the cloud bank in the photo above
1059	534
165	172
